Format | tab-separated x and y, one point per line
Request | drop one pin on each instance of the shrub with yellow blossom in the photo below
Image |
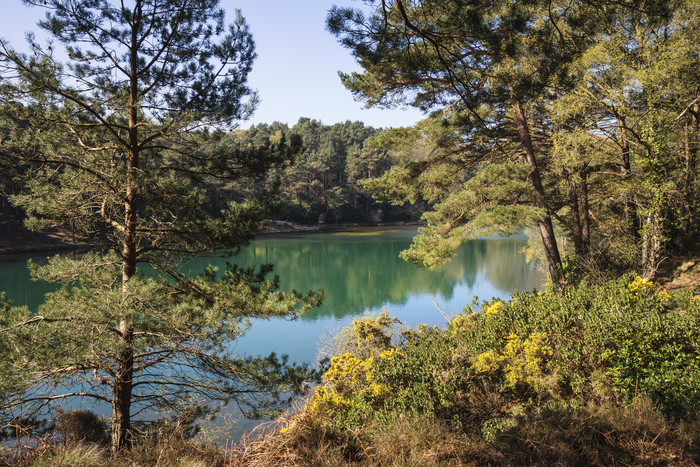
366	336
492	308
664	296
462	323
642	288
639	287
625	335
522	362
349	383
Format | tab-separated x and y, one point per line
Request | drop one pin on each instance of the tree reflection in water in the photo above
362	270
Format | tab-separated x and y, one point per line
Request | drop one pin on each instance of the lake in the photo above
361	273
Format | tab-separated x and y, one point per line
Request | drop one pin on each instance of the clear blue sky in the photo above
296	72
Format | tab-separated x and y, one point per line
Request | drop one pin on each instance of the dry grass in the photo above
295	441
593	436
636	434
596	435
603	433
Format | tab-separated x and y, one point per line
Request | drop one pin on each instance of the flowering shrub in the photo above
367	336
492	308
349	384
346	372
639	287
461	324
491	368
522	362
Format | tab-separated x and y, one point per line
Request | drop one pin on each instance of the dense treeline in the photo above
579	121
322	184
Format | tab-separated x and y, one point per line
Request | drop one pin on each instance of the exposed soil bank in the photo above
681	273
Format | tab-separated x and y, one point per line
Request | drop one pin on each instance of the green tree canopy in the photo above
491	75
323	184
630	127
112	139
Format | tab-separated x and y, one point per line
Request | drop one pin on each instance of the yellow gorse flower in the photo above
493	308
640	286
347	377
521	361
664	295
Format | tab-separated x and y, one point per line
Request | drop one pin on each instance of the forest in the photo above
320	186
323	184
574	122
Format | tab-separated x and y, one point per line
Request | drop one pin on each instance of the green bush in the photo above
499	365
638	339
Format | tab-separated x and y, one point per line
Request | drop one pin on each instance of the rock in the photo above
686	266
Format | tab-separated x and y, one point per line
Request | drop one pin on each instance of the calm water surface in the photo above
360	272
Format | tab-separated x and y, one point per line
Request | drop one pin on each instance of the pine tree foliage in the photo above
112	139
487	63
323	185
631	126
555	115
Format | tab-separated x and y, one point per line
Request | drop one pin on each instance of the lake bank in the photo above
541	379
676	273
519	383
24	242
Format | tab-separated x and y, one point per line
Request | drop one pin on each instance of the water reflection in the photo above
361	271
20	288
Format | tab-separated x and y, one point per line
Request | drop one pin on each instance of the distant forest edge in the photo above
322	186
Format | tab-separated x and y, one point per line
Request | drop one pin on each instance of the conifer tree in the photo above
111	137
632	119
485	70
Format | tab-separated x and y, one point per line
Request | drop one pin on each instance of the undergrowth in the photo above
599	375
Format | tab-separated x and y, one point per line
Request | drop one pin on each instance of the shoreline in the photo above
683	273
46	242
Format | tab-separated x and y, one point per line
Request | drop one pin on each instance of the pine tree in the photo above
112	139
632	121
486	72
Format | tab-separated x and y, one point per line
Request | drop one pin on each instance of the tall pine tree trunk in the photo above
123	375
123	384
545	225
123	379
